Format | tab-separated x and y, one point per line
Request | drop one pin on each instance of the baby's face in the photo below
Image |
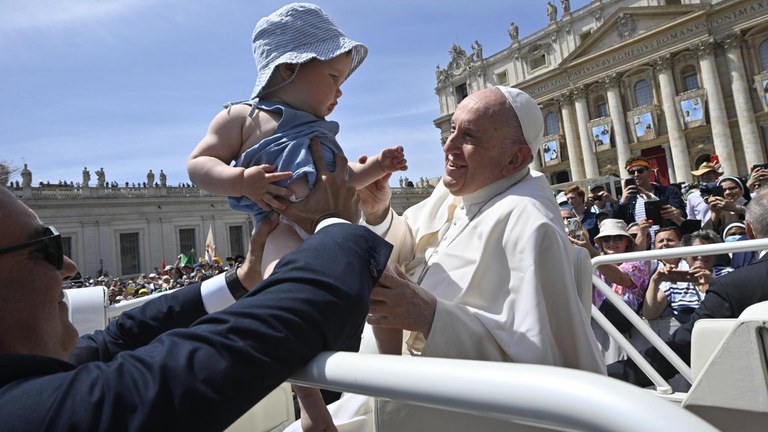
317	87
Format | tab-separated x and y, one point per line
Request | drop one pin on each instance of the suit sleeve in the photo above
204	376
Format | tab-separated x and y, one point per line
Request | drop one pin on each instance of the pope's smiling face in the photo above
484	145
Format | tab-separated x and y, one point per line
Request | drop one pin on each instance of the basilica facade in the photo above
674	81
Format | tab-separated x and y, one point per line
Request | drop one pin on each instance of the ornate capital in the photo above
662	63
564	99
611	80
704	48
579	92
732	40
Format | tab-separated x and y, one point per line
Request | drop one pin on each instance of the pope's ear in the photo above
750	231
520	158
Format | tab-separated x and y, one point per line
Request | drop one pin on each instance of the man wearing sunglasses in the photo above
631	207
194	359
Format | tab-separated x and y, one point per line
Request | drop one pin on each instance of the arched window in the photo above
601	107
643	94
551	124
764	56
690	78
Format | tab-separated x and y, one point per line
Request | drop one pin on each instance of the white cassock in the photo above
500	264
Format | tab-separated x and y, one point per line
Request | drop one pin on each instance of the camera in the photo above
710	189
758	166
597	198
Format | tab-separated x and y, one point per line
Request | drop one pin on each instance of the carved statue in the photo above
566	6
163	179
150	178
551	11
26	177
86	177
457	52
101	178
477	51
514	32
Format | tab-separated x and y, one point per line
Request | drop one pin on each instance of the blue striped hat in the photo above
297	33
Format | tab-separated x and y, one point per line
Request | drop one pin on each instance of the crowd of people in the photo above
159	280
648	215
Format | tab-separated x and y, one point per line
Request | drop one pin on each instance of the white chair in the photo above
731	388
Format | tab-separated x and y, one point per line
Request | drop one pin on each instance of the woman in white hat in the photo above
628	280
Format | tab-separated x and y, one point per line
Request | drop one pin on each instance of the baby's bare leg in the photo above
284	238
388	340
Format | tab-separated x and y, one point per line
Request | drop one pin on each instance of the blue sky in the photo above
131	85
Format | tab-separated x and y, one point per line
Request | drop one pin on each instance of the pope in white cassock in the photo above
488	264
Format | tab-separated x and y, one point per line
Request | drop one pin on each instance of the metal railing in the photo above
662	386
546	396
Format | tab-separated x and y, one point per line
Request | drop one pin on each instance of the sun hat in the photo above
705	168
612	227
529	114
297	33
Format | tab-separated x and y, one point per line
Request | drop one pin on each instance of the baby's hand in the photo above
258	186
392	159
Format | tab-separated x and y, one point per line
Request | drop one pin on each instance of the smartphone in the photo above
573	226
715	159
653	211
680	276
716	191
629	182
756	166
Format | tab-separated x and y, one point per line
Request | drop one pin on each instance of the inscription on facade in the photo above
681	35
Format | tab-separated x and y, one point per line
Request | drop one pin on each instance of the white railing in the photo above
662	386
553	397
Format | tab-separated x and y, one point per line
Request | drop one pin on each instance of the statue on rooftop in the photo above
566	6
163	179
551	11
477	51
150	178
26	177
514	32
86	176
101	178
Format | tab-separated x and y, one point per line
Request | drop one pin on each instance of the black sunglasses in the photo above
49	245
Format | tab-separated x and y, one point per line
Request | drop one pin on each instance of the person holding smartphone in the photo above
677	290
728	208
638	189
758	177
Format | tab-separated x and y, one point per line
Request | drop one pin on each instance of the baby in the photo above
302	59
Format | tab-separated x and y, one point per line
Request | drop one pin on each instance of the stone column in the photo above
745	111
571	137
681	160
618	117
587	149
721	133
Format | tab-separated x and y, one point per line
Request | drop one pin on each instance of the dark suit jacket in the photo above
668	193
170	366
727	297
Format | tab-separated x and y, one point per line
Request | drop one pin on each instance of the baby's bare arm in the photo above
227	137
208	164
370	169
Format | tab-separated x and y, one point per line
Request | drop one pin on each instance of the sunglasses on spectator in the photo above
636	170
49	246
613	239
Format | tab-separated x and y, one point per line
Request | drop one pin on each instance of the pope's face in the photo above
480	147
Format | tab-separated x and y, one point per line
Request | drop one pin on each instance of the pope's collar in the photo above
494	188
